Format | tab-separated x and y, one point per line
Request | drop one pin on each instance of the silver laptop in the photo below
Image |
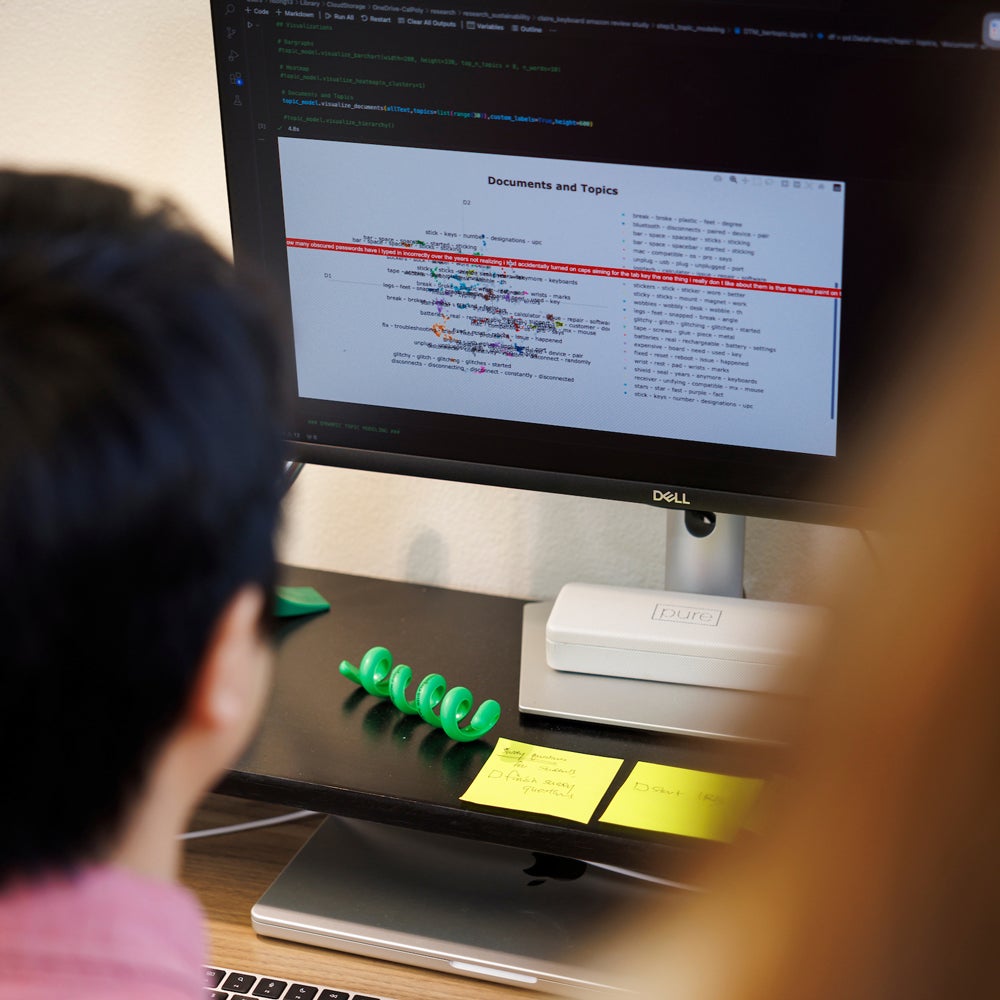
454	905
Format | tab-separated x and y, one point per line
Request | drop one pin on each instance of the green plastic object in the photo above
292	601
432	700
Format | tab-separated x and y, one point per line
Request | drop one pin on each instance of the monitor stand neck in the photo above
705	553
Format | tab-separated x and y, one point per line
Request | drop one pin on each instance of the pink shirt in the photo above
103	933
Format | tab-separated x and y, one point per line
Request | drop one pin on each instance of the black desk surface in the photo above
326	744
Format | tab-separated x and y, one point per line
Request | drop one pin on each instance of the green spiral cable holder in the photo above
433	700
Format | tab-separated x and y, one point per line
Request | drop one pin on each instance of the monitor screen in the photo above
644	251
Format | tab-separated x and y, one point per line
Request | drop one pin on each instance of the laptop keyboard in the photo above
227	984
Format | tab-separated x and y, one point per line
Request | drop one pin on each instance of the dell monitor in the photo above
642	251
658	253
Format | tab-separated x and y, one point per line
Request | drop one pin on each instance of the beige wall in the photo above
127	90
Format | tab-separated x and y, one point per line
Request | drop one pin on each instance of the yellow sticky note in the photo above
677	800
543	780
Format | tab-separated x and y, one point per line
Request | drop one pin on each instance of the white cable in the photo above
642	876
252	825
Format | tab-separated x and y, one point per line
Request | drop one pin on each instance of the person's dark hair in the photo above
141	399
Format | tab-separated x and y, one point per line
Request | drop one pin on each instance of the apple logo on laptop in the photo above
548	866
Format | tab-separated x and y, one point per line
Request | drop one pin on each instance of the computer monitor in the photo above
655	253
664	253
647	252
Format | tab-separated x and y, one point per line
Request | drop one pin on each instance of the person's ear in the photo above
232	679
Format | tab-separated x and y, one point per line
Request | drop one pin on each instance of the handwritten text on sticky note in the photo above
677	800
541	780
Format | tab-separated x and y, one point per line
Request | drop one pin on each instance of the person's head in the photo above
877	877
141	400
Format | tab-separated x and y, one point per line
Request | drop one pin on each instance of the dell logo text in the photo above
669	496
